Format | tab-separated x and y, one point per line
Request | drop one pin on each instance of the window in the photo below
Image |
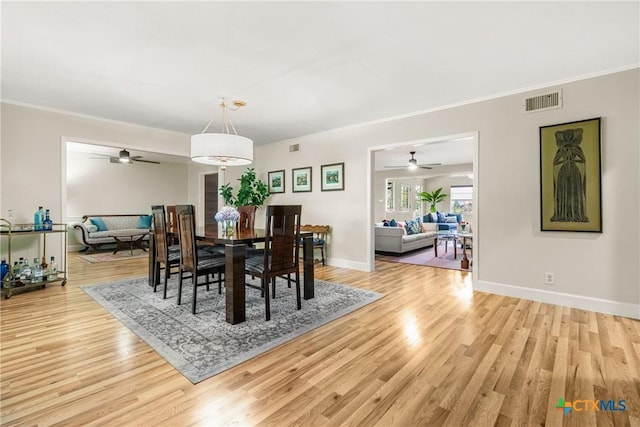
390	196
417	211
462	199
405	191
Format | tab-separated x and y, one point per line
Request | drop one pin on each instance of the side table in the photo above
464	263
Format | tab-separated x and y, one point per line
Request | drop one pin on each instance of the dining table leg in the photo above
308	281
234	282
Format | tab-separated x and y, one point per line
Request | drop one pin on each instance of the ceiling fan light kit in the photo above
124	157
222	149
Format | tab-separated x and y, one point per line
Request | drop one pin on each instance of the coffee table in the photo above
446	237
133	240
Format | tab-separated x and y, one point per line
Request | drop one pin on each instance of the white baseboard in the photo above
559	298
343	263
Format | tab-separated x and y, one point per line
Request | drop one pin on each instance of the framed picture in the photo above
301	179
332	177
570	177
276	182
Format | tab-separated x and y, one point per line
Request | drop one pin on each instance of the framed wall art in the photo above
301	179
332	177
276	182
570	177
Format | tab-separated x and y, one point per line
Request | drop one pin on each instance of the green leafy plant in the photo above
433	197
252	192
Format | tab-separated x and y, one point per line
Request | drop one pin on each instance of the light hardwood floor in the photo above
429	353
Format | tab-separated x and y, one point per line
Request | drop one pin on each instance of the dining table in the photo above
235	257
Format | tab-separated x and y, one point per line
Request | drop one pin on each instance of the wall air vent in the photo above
294	147
543	102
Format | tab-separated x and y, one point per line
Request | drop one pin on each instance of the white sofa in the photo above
116	225
396	240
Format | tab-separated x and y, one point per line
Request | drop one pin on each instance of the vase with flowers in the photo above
227	218
463	226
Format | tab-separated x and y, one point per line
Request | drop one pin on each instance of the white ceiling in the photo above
301	67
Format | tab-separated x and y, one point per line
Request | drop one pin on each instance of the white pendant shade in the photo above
222	149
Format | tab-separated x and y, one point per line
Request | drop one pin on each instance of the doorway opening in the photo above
395	183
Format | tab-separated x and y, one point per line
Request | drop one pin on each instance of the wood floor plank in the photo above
431	352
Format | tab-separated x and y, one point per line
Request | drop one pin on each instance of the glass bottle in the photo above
4	269
25	273
47	224
52	274
38	219
36	275
16	274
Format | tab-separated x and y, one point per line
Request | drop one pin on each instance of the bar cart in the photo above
10	230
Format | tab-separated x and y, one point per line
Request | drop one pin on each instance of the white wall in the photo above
97	186
592	270
599	271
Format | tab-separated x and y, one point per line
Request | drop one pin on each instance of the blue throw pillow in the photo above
98	222
441	218
393	223
144	221
413	226
457	215
427	218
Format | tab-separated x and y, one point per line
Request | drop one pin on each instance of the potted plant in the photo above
252	192
433	198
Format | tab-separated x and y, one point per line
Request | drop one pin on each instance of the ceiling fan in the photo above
413	163
126	158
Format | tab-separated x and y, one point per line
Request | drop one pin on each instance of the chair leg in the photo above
219	282
156	271
167	271
273	287
322	252
194	280
180	286
267	304
299	305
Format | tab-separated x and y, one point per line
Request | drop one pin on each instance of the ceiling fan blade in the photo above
144	161
425	167
396	167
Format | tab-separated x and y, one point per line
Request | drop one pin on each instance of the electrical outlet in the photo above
549	279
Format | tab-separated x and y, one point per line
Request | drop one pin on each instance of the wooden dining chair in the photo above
280	257
190	260
166	256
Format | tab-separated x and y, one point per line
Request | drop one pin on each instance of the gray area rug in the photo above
204	344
